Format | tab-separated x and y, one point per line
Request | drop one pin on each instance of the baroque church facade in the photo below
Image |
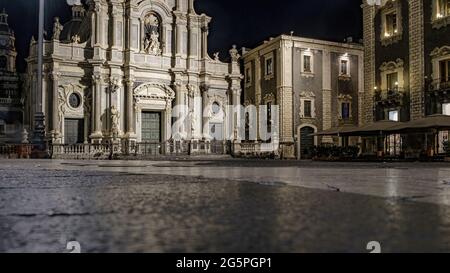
11	99
118	68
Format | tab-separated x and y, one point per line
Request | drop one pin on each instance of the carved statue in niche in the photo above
152	44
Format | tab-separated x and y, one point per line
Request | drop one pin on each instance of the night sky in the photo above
246	23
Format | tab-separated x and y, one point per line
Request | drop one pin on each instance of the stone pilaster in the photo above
56	130
369	12
285	99
97	134
326	95
131	131
416	59
206	109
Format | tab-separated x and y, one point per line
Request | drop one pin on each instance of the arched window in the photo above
152	34
3	63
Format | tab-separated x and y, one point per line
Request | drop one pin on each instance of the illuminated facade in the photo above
117	69
316	84
407	62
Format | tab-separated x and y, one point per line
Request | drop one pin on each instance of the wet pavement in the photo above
223	205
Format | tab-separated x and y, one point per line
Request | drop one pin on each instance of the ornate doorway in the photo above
151	127
74	131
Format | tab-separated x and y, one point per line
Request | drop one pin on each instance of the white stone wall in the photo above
112	65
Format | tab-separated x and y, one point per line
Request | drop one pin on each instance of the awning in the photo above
336	131
376	128
438	122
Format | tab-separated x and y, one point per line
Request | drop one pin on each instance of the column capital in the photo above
55	75
97	78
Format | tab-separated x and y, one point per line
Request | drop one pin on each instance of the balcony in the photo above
390	97
439	86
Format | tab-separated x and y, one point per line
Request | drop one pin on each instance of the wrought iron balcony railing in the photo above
392	94
439	85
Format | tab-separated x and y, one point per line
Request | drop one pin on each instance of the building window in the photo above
307	109
269	66
391	24
307	64
345	110
391	28
442	9
2	128
394	142
3	63
74	100
392	81
344	68
444	71
446	109
248	75
394	115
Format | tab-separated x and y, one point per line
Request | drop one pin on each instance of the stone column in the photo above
97	135
98	24
205	114
191	7
369	12
56	130
179	38
326	96
416	58
131	130
204	45
236	101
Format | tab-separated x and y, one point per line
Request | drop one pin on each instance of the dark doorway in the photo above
151	127
306	142
74	131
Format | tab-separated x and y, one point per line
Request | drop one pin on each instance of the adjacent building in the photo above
407	61
11	100
117	69
316	84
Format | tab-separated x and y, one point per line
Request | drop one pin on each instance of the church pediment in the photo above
154	91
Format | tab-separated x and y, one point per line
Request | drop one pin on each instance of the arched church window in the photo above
152	34
3	62
215	108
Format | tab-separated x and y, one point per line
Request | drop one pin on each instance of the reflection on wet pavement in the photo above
218	207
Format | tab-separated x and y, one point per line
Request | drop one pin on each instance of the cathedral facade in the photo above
11	99
118	69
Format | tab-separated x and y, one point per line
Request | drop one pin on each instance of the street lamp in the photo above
39	117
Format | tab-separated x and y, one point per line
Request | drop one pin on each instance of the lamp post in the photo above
39	117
